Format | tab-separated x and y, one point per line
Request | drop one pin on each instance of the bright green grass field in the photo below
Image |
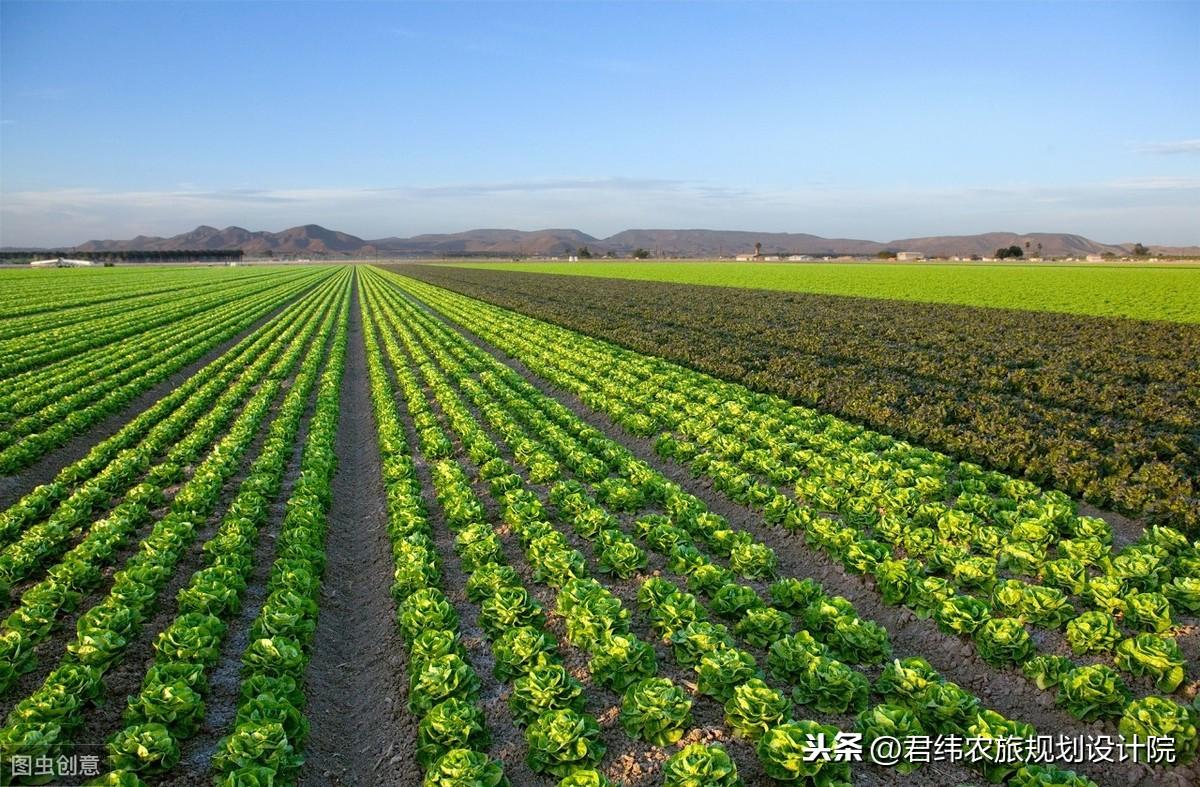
1146	293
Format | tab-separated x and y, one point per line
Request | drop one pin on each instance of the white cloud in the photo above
1152	209
1179	147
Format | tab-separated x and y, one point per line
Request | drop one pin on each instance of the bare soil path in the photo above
360	733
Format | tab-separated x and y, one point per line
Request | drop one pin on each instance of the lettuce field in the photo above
461	527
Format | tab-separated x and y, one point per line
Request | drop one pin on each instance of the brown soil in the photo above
359	731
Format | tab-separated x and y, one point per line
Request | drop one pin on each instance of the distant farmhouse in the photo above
909	256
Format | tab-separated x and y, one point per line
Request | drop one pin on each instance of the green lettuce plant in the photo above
442	678
784	751
721	670
990	725
1160	717
656	710
788	657
1003	641
755	707
144	748
1092	632
891	721
1149	612
1047	671
465	768
563	741
451	724
830	686
761	627
698	765
1092	692
545	688
1153	655
621	660
521	649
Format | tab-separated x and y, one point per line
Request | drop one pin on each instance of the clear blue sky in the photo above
876	120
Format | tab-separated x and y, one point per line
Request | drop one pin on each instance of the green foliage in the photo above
697	765
655	710
1149	612
1092	692
1092	632
761	627
830	686
621	660
788	657
521	649
563	741
452	724
542	689
1153	655
442	678
1003	641
719	671
1162	718
754	708
891	721
1047	671
144	748
784	751
465	768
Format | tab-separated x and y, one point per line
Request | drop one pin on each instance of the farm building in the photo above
909	256
61	262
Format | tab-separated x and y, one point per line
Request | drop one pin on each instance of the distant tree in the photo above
1013	252
1039	247
610	255
886	255
583	253
640	254
1139	250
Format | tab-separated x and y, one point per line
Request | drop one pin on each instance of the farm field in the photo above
340	525
1141	291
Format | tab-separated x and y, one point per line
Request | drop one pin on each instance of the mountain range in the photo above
315	241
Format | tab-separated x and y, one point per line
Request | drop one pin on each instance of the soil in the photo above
359	731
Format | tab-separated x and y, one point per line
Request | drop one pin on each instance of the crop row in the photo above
760	624
87	482
136	295
46	293
81	568
1104	409
1088	690
170	701
55	411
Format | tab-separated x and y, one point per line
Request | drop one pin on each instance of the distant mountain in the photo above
501	242
312	240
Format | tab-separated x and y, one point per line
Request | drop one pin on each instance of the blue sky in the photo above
873	120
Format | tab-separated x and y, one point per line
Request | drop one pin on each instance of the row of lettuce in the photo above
1101	408
307	346
851	484
815	661
56	383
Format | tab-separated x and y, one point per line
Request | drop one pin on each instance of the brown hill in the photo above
312	240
